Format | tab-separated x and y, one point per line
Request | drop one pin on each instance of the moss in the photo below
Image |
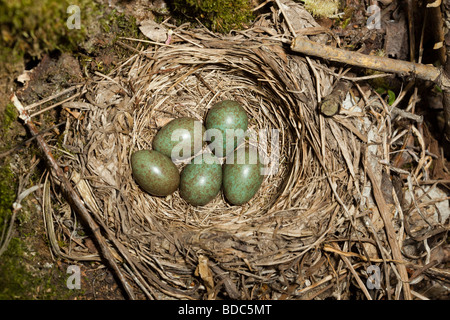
9	117
321	8
7	195
21	276
221	16
18	282
120	24
39	26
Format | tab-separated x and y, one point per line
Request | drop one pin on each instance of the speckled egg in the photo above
154	172
201	180
230	118
242	176
181	138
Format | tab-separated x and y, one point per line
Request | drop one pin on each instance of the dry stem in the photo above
303	45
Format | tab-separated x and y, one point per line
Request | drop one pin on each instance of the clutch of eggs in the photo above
201	180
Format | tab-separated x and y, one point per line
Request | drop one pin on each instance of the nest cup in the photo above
218	250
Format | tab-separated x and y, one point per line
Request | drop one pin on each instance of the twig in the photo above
329	248
4	241
200	78
57	104
437	29
329	277
147	41
425	72
332	103
443	181
354	273
447	102
412	38
71	196
124	45
34	105
261	5
50	230
390	232
406	114
364	78
418	295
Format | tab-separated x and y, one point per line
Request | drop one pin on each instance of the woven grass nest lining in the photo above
165	97
252	251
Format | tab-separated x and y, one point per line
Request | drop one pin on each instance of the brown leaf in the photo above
161	122
205	274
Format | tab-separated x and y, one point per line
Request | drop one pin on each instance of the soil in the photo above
29	269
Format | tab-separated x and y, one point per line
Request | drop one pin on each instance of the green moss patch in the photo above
38	26
221	15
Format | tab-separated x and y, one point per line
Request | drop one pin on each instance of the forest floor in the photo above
28	268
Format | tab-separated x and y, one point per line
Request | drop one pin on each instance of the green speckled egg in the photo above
154	172
201	180
181	138
224	116
242	176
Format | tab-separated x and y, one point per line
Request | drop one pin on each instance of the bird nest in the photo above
318	221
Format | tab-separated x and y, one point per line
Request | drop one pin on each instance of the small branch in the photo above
406	114
354	273
329	248
425	72
440	76
34	105
389	228
71	196
331	103
4	240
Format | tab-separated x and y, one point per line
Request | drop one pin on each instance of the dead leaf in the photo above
153	31
161	122
77	115
108	95
24	77
206	275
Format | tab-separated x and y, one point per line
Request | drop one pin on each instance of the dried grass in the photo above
311	230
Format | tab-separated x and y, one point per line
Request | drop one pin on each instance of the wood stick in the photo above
440	76
34	105
332	103
390	232
303	45
71	196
